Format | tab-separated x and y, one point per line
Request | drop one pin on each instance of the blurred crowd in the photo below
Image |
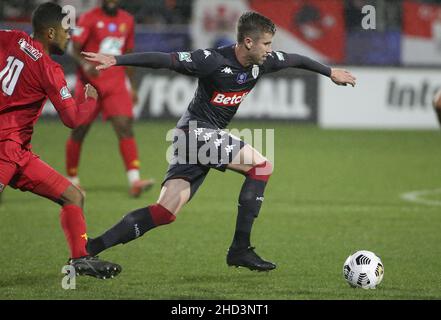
166	25
179	11
145	11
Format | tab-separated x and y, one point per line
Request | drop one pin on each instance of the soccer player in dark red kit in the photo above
28	77
110	30
225	76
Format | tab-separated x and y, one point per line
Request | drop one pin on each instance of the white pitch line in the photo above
418	197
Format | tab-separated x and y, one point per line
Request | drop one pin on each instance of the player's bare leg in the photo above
246	159
123	127
73	153
174	194
72	196
257	170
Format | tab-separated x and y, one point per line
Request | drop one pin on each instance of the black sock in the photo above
131	226
250	201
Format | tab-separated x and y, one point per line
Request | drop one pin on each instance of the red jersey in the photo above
28	76
98	32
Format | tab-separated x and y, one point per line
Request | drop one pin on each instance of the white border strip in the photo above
418	197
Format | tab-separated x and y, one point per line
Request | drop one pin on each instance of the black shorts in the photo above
197	150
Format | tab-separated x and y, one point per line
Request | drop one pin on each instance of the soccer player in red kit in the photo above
110	30
28	77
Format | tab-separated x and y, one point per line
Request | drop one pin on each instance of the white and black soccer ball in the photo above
363	269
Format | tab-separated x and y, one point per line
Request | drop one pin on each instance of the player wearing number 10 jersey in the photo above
28	77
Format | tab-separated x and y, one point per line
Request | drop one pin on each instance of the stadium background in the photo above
344	181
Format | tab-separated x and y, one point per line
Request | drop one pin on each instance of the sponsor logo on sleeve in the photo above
64	93
184	56
27	48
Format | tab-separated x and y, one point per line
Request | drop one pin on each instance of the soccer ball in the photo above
363	269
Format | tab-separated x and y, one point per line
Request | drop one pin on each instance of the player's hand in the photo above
104	61
90	92
342	77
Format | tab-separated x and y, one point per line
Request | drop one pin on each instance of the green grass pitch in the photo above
333	192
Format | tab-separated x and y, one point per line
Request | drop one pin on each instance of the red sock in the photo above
74	227
73	151
160	215
129	153
261	171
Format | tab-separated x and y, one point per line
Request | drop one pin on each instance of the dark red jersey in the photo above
98	32
28	77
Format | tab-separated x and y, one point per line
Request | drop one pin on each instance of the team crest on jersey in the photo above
241	77
112	27
184	56
255	71
122	27
29	49
64	93
100	24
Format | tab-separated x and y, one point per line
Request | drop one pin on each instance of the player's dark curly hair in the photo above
47	15
252	24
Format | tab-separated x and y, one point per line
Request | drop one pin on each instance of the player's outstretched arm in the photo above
104	61
292	60
155	60
342	77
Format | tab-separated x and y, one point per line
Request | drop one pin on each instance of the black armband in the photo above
154	60
299	61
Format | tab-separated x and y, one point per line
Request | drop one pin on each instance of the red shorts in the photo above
21	169
116	102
